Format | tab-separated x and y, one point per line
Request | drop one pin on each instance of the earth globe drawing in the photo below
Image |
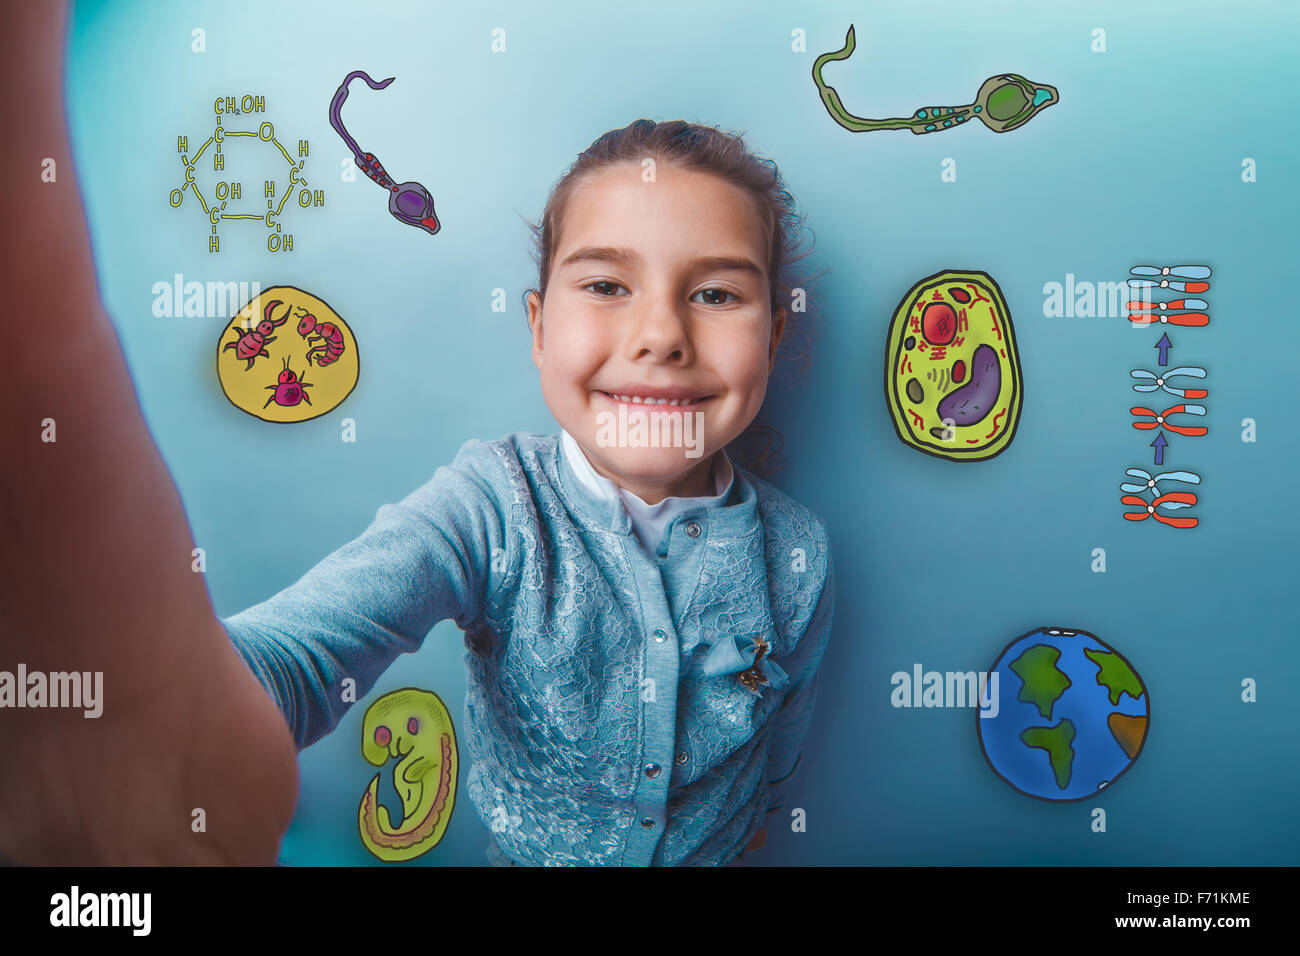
1071	719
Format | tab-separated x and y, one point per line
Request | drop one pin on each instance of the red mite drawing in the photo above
328	334
249	345
288	390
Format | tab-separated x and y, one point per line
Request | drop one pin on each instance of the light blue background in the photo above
939	563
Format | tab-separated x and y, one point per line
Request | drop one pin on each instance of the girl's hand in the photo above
190	760
760	838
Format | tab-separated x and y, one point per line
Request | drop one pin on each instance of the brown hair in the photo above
725	154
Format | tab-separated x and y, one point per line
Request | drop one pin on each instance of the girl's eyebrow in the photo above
628	259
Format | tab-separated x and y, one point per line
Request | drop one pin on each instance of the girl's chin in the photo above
653	462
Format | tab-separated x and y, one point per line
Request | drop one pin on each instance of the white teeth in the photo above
638	400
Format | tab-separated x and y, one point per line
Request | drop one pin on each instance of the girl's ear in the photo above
778	330
535	323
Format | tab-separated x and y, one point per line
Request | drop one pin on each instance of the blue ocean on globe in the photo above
1072	715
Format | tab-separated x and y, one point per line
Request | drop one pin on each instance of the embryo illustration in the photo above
413	727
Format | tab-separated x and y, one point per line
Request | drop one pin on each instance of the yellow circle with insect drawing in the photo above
287	356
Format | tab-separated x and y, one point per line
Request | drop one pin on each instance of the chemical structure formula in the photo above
226	195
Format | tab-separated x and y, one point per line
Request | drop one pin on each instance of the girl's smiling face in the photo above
657	289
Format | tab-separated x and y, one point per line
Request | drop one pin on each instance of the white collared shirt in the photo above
648	521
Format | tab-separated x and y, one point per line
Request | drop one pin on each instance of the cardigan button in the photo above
660	635
647	823
682	757
693	529
652	770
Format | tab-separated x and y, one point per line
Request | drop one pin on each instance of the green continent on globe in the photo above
1042	684
1115	675
1056	741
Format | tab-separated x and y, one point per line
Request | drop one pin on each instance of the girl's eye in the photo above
603	287
714	295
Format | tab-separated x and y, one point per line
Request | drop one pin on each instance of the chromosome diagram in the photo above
1176	416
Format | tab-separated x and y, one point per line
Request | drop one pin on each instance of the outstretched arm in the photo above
95	554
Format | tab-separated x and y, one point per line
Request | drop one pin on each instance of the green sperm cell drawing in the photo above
1003	103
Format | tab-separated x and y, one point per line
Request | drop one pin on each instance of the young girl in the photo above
644	621
613	596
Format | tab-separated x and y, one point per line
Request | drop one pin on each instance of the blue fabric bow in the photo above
732	654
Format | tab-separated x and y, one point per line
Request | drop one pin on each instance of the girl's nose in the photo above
661	333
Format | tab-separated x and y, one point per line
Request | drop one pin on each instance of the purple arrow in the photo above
1164	345
1160	444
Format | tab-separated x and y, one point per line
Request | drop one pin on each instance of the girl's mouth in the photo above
657	403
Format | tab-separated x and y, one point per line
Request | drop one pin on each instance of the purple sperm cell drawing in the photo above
409	202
